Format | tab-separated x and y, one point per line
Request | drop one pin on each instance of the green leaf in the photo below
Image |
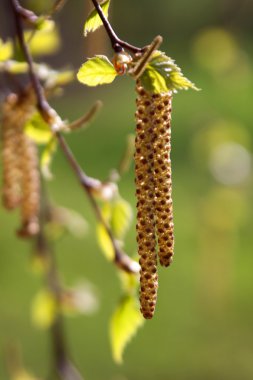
121	216
6	50
93	21
124	324
97	70
163	75
47	157
105	242
37	129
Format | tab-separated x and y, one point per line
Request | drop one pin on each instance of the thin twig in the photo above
85	119
117	43
121	259
139	68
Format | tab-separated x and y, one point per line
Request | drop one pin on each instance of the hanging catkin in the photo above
30	187
21	180
153	190
145	192
162	176
11	136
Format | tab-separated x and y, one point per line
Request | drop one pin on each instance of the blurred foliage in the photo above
204	310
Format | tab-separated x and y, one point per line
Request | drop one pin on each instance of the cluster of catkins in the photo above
153	190
21	180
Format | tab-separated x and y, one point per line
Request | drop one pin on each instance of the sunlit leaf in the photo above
45	41
121	216
37	129
93	21
105	242
124	324
44	309
6	50
97	70
163	75
47	157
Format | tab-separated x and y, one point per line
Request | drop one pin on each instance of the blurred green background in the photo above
202	328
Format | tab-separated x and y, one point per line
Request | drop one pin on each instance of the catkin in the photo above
162	176
153	191
21	179
11	135
145	192
30	188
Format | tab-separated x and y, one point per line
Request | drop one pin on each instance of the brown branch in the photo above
49	115
117	43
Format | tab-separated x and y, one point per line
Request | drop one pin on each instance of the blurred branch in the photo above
63	365
117	43
50	116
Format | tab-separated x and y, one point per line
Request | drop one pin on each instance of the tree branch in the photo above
117	43
49	115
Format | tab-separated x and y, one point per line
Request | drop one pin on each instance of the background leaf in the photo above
97	70
121	216
44	309
93	21
46	158
124	324
105	242
37	129
6	50
44	41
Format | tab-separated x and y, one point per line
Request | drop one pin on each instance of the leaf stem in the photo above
117	43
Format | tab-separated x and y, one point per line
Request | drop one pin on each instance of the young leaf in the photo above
163	75
97	70
47	156
6	50
124	324
37	129
93	21
121	217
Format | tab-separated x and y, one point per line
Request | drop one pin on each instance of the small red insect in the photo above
121	62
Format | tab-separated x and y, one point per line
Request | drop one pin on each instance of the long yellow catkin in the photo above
162	175
153	190
145	192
